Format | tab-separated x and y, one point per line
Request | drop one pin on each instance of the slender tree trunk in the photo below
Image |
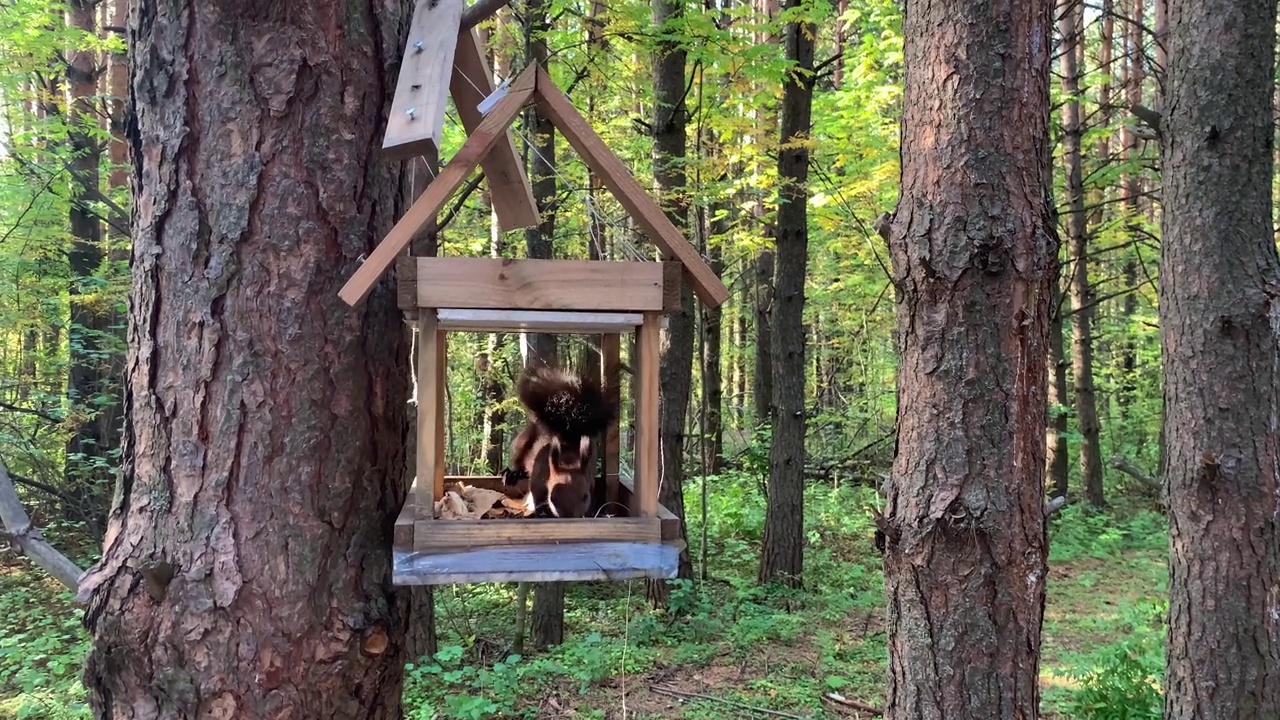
1057	447
264	443
1071	27
841	38
548	598
1130	192
1220	323
740	357
670	119
965	553
782	554
420	638
712	374
763	375
541	170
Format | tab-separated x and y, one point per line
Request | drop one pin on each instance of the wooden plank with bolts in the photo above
430	460
416	122
452	534
505	284
509	188
546	321
615	176
440	190
648	456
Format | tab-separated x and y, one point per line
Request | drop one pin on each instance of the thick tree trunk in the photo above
92	386
782	554
670	118
1071	27
1220	324
264	446
973	254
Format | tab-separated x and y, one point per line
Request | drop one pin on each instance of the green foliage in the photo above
1121	680
42	646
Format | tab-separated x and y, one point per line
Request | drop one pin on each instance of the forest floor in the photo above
725	648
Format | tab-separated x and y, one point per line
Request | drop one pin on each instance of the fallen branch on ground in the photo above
711	698
839	699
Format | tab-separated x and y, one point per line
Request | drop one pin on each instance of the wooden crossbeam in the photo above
615	176
422	88
505	284
509	188
490	131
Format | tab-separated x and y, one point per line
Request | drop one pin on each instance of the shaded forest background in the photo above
64	284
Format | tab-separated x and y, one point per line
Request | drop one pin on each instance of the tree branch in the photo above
480	12
18	528
1127	467
1055	505
30	411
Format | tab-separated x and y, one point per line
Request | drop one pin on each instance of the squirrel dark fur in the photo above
556	449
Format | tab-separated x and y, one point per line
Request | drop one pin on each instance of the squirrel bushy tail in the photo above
565	402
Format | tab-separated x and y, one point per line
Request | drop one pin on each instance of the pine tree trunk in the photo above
93	341
670	118
420	637
782	554
762	377
1071	27
548	598
264	444
965	554
1220	323
1057	447
712	374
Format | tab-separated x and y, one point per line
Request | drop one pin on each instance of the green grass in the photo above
726	638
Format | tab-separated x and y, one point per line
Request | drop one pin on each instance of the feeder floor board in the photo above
568	562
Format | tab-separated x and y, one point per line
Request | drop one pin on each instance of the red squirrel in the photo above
556	448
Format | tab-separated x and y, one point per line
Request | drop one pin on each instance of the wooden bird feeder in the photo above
607	299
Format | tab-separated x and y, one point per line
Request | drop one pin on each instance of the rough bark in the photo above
670	119
1071	28
974	255
782	553
264	442
1220	321
92	386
